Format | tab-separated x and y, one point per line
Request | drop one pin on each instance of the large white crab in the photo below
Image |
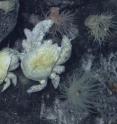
8	62
42	59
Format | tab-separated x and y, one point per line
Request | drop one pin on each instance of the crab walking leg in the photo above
36	88
28	34
6	85
55	80
13	78
59	69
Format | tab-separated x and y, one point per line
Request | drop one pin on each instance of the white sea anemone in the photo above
80	91
100	25
64	22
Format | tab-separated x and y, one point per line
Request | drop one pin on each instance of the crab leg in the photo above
39	87
13	78
6	85
55	79
59	69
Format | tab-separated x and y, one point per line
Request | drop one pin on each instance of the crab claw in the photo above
34	38
40	29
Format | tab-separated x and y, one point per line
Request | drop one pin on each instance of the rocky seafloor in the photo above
46	106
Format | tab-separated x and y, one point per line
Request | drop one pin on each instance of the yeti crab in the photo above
8	62
43	59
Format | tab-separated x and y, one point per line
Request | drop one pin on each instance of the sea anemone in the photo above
80	91
63	22
100	26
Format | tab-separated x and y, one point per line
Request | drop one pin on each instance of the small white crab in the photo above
8	62
43	59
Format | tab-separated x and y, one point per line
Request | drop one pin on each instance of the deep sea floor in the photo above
46	106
